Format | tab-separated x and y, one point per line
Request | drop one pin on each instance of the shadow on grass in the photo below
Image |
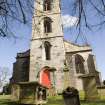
8	102
53	101
93	102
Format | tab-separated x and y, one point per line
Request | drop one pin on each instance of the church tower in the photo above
47	46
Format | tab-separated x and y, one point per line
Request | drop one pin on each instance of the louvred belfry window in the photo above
47	46
47	5
47	25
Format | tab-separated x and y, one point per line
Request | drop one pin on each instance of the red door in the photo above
45	78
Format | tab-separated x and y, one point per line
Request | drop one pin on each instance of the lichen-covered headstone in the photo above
90	88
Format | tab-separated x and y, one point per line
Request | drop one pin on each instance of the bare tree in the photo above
91	13
4	77
14	11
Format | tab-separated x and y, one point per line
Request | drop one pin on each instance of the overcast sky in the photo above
9	47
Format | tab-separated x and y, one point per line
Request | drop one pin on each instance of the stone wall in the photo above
38	61
88	61
55	38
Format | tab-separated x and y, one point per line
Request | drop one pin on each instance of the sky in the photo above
9	47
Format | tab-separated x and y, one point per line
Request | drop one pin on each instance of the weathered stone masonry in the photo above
50	53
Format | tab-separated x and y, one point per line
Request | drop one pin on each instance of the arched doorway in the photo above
45	78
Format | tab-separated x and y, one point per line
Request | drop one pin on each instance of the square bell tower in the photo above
47	44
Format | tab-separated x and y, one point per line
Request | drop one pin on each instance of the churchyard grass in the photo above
57	100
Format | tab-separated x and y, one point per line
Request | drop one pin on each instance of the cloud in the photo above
69	21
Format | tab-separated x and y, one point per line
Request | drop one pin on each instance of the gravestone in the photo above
71	96
29	93
90	88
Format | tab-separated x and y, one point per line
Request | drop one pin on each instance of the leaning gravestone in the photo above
90	88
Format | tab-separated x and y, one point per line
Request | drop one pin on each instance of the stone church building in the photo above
51	60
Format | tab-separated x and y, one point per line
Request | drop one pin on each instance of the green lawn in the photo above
5	100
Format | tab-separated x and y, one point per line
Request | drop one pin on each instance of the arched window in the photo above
47	46
47	25
79	64
47	5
